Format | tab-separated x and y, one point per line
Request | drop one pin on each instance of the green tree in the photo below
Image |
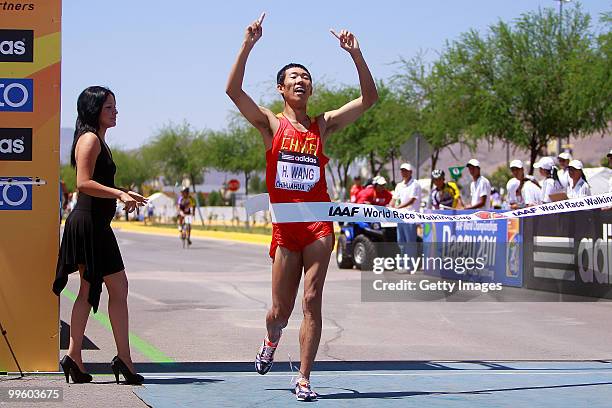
531	81
178	152
435	103
68	174
239	149
500	177
132	169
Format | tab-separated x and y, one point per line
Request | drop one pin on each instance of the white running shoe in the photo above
265	357
303	391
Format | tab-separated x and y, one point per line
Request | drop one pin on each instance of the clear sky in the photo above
169	60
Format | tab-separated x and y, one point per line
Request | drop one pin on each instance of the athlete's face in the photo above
108	115
439	183
297	86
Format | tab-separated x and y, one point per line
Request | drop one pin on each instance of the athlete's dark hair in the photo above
89	106
280	77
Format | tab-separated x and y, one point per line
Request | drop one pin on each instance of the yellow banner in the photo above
29	182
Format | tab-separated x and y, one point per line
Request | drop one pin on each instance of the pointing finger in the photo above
331	30
261	18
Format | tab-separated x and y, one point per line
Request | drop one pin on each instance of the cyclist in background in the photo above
186	208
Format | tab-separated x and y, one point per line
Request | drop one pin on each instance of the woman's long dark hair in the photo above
89	106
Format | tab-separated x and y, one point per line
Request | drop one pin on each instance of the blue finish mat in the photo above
458	384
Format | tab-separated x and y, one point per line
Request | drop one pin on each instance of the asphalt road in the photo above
208	304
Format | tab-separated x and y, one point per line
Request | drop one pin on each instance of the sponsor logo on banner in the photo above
16	196
15	144
594	256
16	45
16	95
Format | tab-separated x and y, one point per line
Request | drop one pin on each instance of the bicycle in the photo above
185	229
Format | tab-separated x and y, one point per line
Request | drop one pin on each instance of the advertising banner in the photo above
29	181
498	243
570	253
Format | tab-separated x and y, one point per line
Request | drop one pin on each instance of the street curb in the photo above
259	239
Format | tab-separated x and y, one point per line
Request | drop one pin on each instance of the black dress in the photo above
88	238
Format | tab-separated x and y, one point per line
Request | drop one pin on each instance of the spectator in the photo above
579	187
552	189
564	159
522	191
409	198
496	199
355	188
444	195
150	208
376	193
480	188
406	172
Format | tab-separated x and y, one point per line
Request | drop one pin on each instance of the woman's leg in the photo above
117	287
78	321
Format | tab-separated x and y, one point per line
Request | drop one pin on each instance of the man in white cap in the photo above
522	191
552	189
409	197
406	173
376	193
480	188
564	159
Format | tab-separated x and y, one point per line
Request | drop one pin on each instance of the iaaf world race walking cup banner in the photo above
30	42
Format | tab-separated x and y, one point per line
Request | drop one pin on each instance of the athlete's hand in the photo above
348	41
129	203
254	31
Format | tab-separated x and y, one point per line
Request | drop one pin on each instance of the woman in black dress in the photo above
88	244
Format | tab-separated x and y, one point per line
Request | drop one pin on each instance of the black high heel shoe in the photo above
119	366
71	369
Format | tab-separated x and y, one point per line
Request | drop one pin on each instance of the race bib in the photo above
297	171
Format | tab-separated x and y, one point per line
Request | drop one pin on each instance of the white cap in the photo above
406	166
380	180
610	153
565	156
473	162
545	163
516	164
577	164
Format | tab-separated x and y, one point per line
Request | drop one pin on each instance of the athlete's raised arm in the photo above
349	113
263	119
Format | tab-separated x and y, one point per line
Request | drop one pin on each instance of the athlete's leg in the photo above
78	321
316	260
286	274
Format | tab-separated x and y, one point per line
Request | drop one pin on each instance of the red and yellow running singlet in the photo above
295	172
295	165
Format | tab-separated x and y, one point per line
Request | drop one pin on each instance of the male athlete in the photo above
295	172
